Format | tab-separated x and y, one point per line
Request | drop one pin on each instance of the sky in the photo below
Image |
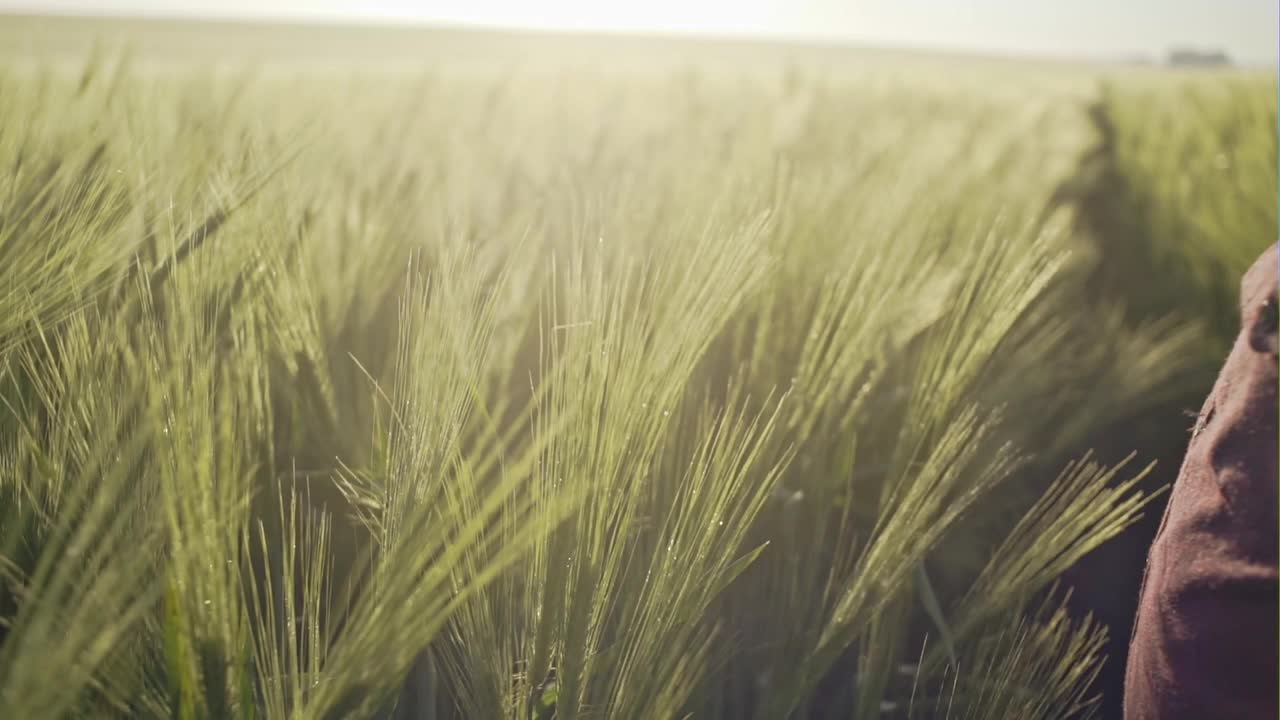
1247	29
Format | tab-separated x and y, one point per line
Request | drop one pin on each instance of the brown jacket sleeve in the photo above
1206	640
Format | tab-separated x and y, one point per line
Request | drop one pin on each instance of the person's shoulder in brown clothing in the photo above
1206	641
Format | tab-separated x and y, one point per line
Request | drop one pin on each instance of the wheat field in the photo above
416	374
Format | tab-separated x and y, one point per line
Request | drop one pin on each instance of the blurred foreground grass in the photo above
621	390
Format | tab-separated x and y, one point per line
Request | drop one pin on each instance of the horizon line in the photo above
780	38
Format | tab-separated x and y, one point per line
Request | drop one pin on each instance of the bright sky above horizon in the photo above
1247	29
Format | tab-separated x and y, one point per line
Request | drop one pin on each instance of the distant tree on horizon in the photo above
1190	57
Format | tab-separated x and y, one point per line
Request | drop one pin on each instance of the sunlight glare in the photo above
707	16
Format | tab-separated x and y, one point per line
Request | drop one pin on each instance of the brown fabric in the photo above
1206	641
